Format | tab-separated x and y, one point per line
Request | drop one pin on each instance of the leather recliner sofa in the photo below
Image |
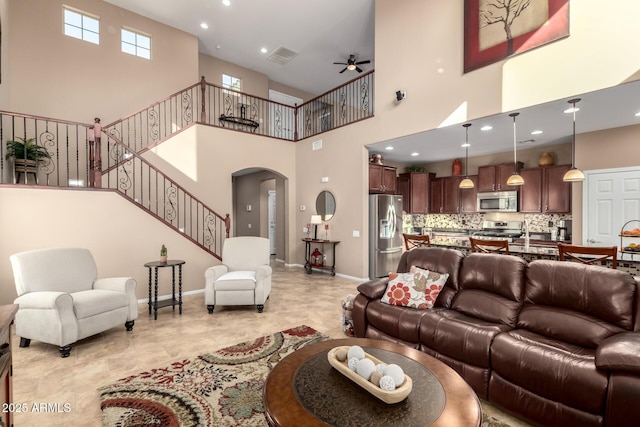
555	343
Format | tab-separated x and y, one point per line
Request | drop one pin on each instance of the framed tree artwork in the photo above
497	29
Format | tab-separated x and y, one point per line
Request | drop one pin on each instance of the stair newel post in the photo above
203	89
95	161
227	224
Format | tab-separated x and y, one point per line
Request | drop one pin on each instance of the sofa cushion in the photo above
97	301
443	260
400	322
491	287
579	304
431	281
553	369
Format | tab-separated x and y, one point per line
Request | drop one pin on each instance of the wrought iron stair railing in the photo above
107	163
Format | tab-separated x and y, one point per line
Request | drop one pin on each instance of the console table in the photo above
309	266
153	303
7	314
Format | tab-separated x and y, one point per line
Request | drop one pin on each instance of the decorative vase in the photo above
163	258
376	159
546	159
456	168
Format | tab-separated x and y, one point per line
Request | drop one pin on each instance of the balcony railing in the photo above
208	104
76	161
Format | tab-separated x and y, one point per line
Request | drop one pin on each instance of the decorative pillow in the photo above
402	290
430	282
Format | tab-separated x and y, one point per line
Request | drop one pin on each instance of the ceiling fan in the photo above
351	64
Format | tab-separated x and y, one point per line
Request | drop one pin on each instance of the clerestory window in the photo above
81	25
136	43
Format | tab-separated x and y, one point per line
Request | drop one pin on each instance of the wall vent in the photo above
317	145
282	55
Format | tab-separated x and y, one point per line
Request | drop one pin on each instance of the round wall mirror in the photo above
326	205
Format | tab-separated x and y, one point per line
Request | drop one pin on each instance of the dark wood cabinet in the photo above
469	197
556	194
7	314
436	196
531	191
544	191
382	179
414	187
494	177
451	194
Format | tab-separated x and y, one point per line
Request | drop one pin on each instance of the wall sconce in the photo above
315	221
400	95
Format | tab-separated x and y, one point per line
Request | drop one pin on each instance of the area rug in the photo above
223	388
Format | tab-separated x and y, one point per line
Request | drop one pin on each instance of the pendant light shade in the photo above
515	179
574	174
466	182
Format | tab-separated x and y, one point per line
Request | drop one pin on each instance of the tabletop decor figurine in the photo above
163	254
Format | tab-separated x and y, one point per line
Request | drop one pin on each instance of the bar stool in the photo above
416	241
489	246
588	254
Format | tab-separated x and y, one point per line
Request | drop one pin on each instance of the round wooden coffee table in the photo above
304	390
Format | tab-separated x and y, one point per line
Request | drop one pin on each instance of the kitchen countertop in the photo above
513	248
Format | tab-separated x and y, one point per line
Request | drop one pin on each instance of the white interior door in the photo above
281	120
610	199
272	221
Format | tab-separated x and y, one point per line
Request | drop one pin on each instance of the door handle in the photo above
593	241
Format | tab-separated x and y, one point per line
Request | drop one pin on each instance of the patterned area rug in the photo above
223	388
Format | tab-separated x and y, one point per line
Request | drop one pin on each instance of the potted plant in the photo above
26	155
163	254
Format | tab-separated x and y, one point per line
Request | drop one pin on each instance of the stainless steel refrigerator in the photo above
385	234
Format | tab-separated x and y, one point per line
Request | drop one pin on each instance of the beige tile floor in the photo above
41	376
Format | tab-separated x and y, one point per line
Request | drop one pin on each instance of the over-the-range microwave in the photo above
498	201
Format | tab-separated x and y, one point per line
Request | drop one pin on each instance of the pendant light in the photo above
574	174
515	179
466	182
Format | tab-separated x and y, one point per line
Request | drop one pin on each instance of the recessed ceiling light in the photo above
536	132
226	2
414	154
486	127
204	25
389	148
571	110
465	145
263	50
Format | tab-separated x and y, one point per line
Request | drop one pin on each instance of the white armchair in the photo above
244	278
61	300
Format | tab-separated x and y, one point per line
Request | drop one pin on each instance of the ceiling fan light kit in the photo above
574	174
352	64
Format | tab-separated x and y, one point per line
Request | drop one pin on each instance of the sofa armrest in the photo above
125	285
620	353
44	300
47	316
263	271
211	274
374	289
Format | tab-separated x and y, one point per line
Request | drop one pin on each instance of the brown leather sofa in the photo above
556	343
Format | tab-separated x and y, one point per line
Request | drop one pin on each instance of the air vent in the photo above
282	55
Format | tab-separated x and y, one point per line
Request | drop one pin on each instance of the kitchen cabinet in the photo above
414	187
469	197
544	191
494	177
382	179
446	196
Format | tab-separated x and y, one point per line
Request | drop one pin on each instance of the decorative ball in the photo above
387	383
394	371
353	363
356	351
375	378
341	354
365	368
380	367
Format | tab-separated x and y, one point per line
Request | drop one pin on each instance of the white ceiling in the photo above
328	31
322	31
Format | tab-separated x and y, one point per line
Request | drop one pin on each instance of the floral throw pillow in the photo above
402	290
430	282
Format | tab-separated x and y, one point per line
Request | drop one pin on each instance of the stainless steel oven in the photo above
498	201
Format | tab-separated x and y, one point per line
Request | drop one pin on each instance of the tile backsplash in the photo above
538	223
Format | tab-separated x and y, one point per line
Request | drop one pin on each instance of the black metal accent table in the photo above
153	303
309	266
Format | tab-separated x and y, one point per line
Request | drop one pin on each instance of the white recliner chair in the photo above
244	278
62	301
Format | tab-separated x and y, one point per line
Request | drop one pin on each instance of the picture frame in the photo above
534	23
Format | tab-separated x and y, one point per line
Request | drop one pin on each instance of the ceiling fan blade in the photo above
340	63
368	61
343	70
358	69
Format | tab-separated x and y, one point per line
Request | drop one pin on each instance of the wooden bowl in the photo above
393	396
